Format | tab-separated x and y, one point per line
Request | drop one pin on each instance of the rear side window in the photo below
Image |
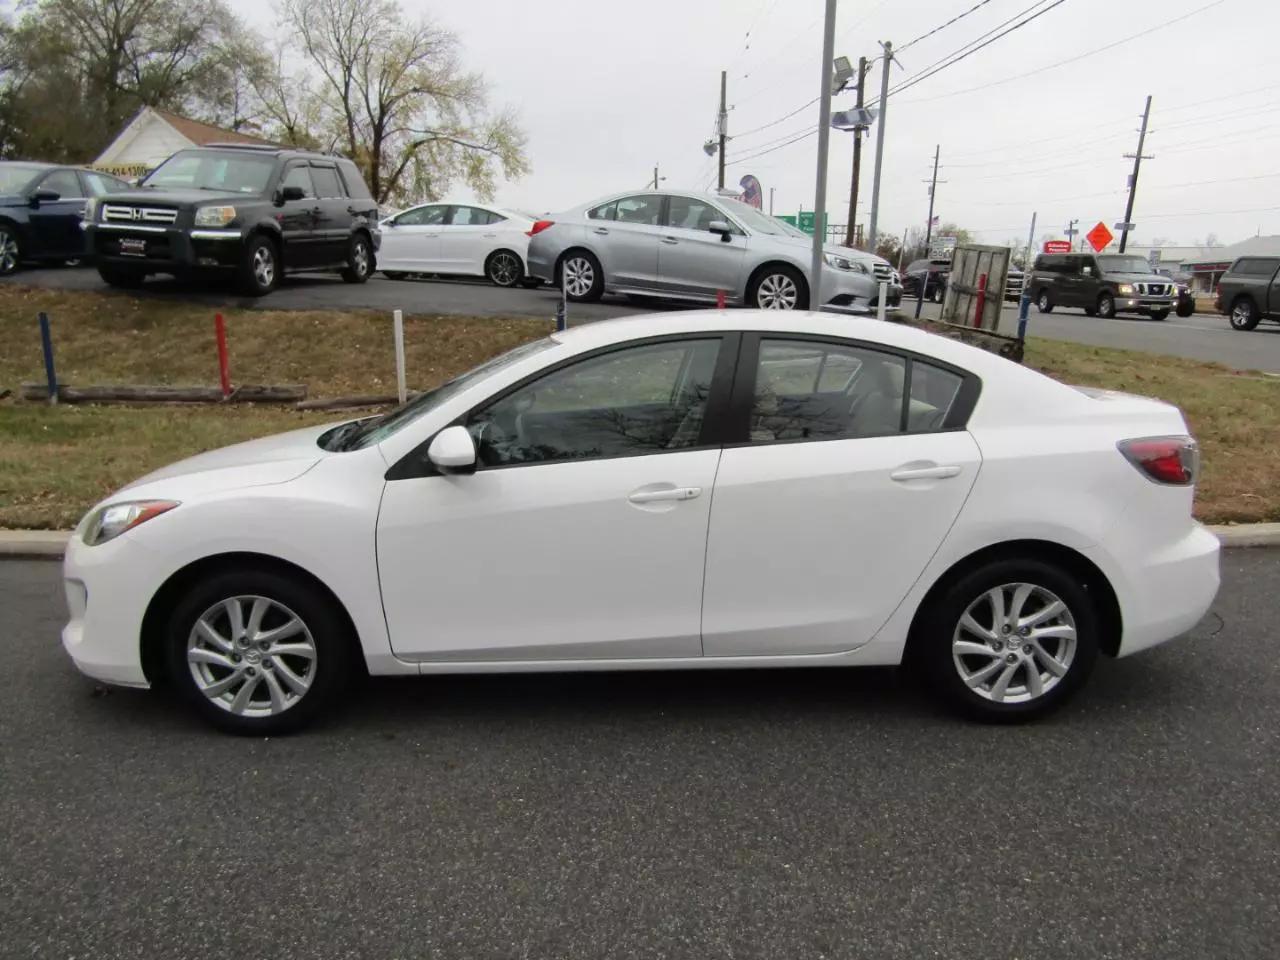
473	217
606	211
326	181
1255	267
645	210
355	183
933	392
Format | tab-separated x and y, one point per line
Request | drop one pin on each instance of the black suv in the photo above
1102	284
1250	292
256	211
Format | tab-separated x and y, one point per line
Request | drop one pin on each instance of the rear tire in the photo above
230	671
981	662
259	270
1244	314
778	287
939	293
581	276
122	278
359	260
1043	303
1186	309
504	269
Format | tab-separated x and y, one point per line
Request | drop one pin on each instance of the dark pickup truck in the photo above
253	213
1249	292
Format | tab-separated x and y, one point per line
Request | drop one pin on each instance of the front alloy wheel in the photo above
777	291
1043	303
9	254
1014	643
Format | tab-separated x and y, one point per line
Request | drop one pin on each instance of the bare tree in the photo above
395	96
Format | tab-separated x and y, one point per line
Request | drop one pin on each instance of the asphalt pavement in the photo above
806	813
1199	337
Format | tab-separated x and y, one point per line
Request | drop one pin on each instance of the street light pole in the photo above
824	142
884	111
850	231
723	122
928	229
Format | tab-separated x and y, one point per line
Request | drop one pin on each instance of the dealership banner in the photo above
752	192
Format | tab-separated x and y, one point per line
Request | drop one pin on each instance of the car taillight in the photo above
1169	460
539	226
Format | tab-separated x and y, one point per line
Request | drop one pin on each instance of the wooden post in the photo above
401	390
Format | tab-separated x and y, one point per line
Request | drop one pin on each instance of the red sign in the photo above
1099	237
1057	246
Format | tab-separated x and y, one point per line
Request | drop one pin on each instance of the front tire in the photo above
939	293
1043	303
359	260
504	269
778	288
259	266
582	277
1011	640
258	652
10	252
1106	306
1244	314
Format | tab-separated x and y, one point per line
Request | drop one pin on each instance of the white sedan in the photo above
466	239
698	490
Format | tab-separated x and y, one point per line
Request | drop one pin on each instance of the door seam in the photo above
706	550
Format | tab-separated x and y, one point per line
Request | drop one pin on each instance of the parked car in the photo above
41	206
692	247
929	275
1249	292
1103	285
251	211
706	489
1013	283
468	239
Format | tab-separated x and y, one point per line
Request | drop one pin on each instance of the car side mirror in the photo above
721	227
453	451
291	193
44	196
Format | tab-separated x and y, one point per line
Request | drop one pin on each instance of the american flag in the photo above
934	221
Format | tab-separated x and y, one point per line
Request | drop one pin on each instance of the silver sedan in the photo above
694	247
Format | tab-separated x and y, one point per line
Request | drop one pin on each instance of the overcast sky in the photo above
606	89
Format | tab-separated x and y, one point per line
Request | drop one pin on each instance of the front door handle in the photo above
674	493
925	473
601	231
670	240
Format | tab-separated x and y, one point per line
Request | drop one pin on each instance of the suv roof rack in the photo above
266	147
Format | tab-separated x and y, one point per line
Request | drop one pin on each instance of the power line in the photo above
774	123
961	16
1075	59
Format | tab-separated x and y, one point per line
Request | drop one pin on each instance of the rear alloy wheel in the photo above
259	266
257	652
582	278
1244	315
1106	306
1043	303
10	255
1009	641
778	288
504	269
359	260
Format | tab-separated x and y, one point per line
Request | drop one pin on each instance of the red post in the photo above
220	331
981	304
719	299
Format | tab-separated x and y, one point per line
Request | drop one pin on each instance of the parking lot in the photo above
781	814
1199	337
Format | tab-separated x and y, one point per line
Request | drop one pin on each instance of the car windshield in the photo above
16	177
213	170
1114	264
365	433
755	221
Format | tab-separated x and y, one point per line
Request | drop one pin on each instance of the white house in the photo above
152	136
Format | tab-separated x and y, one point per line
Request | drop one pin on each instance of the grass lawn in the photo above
56	462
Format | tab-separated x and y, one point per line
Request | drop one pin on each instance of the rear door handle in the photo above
925	473
670	240
675	493
601	231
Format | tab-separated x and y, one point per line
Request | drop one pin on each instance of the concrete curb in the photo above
51	544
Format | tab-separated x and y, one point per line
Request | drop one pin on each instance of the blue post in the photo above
562	308
46	341
1024	308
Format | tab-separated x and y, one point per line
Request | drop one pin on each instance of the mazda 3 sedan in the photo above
692	491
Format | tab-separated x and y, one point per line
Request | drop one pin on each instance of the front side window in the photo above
808	390
422	217
299	175
326	181
644	210
64	183
1114	263
686	213
638	400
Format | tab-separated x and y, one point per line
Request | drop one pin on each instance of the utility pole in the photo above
824	143
1133	178
655	176
1071	232
723	123
1031	238
928	228
884	110
857	156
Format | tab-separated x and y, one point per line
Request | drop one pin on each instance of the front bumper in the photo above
107	595
166	249
1144	304
844	291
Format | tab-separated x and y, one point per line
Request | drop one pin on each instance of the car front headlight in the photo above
108	522
844	263
90	210
1125	288
215	216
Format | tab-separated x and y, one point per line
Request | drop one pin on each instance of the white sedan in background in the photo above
688	491
466	239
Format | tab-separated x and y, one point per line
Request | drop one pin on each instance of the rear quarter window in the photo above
356	188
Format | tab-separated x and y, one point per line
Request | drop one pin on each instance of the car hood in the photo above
275	459
176	198
1140	277
849	253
